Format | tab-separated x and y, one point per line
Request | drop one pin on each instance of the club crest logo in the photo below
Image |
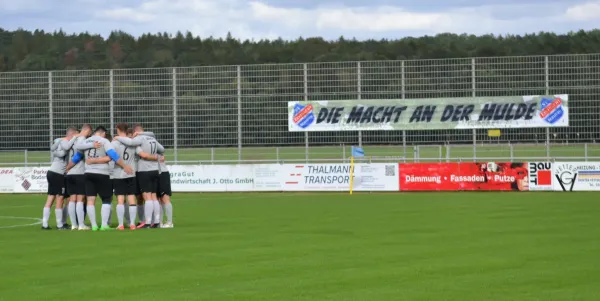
551	110
303	115
566	175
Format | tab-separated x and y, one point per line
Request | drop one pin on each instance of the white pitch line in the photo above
38	221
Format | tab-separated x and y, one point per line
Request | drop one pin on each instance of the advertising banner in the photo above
540	176
429	113
463	176
206	178
336	177
7	180
30	179
576	176
493	176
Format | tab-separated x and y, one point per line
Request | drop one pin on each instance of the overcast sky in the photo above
290	19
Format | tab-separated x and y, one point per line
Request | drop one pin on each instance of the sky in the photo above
290	19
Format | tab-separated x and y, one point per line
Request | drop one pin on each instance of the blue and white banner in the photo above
534	111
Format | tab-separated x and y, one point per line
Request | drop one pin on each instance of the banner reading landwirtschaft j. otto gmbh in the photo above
429	113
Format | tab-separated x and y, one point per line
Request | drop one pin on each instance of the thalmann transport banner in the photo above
336	177
576	176
429	113
491	176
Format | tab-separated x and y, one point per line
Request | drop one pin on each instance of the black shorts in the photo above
148	181
56	183
97	184
75	184
127	186
66	194
164	184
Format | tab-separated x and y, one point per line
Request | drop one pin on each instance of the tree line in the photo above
23	50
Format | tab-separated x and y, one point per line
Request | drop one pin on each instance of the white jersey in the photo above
90	152
59	158
128	155
146	144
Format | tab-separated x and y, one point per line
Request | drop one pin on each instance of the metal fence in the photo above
239	113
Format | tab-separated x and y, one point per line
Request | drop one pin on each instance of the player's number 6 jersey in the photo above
127	153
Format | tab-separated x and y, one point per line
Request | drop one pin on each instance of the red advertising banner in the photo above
490	176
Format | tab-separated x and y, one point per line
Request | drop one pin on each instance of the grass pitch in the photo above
310	246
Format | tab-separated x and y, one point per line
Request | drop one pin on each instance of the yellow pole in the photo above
351	173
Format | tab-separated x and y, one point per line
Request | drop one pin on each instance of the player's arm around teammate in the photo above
97	176
75	177
125	184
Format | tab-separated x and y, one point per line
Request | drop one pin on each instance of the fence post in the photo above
417	153
359	96
305	67
547	85
111	97
473	86
585	151
403	91
27	158
175	149
239	111
50	110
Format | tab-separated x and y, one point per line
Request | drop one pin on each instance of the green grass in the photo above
399	246
425	153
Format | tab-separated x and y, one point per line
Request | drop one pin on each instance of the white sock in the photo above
169	212
80	213
132	213
157	212
65	214
45	217
72	213
127	217
120	214
141	213
91	213
105	214
162	212
58	212
148	210
110	215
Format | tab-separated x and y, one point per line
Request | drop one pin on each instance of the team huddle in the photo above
87	164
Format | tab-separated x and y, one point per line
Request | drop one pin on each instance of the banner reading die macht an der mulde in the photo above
466	176
429	113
